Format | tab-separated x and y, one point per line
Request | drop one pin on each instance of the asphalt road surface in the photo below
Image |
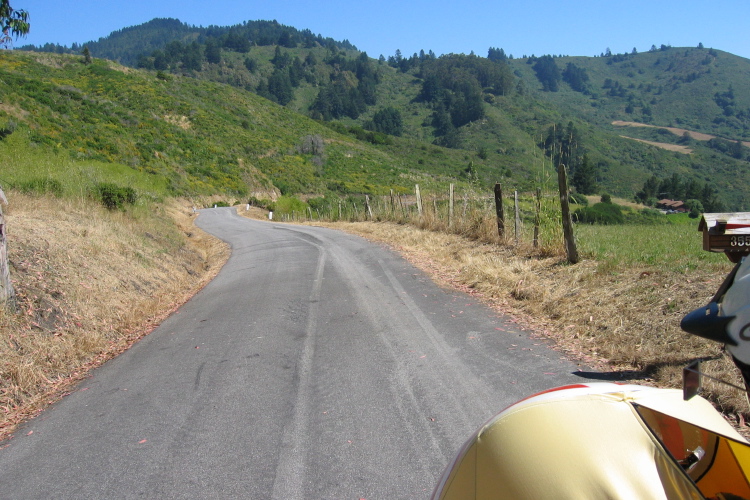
316	365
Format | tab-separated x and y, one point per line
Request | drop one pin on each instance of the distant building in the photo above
671	205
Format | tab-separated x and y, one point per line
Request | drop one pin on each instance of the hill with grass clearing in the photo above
179	136
467	118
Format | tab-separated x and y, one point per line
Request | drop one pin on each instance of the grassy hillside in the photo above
669	87
698	89
190	136
674	86
701	90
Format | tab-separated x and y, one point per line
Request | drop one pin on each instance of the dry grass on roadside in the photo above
89	283
625	324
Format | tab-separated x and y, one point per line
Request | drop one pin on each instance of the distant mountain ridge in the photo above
127	44
502	113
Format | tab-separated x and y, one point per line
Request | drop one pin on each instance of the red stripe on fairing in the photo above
556	389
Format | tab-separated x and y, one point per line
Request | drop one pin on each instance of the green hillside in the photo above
201	137
697	89
456	116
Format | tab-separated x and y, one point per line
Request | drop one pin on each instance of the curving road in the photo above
316	365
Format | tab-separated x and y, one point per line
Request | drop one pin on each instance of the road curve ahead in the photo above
316	365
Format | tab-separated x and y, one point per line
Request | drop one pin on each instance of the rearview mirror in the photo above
691	379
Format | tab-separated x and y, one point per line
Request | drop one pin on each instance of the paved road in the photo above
316	365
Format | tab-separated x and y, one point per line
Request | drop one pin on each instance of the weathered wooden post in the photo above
537	216
499	210
517	219
368	207
567	221
450	205
419	200
6	287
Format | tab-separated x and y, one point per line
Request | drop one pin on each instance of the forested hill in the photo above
506	117
128	45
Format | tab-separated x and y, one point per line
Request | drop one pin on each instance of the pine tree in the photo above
584	177
213	52
547	73
86	55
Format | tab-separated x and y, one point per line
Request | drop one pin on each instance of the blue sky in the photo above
538	27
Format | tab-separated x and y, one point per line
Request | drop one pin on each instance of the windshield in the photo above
718	465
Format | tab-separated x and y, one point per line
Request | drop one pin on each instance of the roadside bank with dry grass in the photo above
89	283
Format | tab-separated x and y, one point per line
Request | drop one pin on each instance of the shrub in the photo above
114	197
600	213
319	203
289	204
578	199
7	129
260	203
645	216
42	185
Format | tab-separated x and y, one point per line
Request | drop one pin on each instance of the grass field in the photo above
677	247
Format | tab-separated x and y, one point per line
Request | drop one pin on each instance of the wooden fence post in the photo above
450	206
567	221
517	220
499	210
367	206
537	216
419	200
7	294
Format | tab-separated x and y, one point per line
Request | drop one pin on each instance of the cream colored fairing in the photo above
579	442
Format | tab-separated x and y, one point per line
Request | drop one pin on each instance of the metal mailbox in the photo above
726	232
